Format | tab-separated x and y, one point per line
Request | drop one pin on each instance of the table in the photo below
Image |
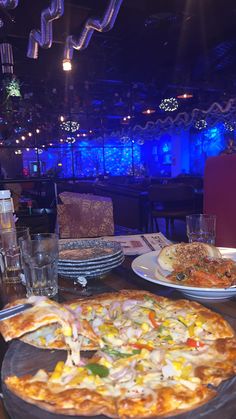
120	278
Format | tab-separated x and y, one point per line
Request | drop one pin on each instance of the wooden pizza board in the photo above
21	359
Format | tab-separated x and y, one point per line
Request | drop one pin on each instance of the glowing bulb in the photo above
17	141
23	137
66	64
37	131
62	119
27	149
30	134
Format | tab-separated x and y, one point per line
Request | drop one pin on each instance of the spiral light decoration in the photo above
104	24
44	37
9	4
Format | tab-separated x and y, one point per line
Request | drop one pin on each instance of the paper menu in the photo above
139	244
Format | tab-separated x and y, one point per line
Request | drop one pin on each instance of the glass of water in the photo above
40	260
201	228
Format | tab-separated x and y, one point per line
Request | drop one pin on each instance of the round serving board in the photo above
21	359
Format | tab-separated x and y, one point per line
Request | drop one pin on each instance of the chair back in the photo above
220	197
195	181
171	193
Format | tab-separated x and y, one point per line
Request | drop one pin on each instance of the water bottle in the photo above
6	211
9	250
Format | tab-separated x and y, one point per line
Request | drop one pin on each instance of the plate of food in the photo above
197	269
130	354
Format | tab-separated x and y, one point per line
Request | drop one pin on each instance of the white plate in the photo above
146	267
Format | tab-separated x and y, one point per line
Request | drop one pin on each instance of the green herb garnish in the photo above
97	369
121	354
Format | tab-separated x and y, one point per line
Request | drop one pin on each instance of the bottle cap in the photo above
5	194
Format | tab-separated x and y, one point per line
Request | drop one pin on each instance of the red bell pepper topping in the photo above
194	343
152	318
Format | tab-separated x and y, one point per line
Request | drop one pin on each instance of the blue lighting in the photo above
141	156
85	160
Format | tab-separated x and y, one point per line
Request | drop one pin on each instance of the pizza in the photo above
151	356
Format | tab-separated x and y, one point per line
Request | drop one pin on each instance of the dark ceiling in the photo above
183	42
164	47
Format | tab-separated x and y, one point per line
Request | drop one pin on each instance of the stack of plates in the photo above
89	258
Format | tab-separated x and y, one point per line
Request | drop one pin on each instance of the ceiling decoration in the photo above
200	124
215	114
169	104
9	4
104	24
116	87
44	37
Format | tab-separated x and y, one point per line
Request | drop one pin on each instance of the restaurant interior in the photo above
117	121
147	101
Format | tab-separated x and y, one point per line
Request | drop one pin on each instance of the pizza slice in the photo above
45	312
136	318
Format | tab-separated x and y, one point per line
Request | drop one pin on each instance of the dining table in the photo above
123	277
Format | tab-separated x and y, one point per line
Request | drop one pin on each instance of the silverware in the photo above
13	311
148	243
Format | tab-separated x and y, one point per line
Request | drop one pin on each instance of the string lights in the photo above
169	104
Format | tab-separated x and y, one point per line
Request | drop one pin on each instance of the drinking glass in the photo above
40	260
201	228
10	259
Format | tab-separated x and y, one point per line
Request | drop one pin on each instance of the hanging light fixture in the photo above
201	124
67	65
169	104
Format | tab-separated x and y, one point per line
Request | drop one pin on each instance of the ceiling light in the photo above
37	131
30	134
67	66
185	96
148	111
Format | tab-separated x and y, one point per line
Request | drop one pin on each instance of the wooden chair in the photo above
171	201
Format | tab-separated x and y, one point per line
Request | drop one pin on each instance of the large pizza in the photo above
151	356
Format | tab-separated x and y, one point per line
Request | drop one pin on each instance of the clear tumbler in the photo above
40	260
